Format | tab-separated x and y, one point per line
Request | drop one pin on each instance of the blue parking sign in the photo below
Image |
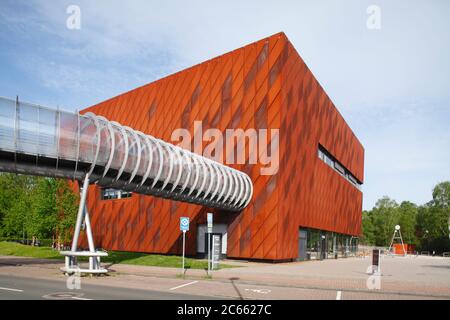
184	224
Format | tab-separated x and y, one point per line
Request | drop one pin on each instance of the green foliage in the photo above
66	210
384	218
434	218
36	207
441	195
14	192
42	216
368	228
424	226
15	218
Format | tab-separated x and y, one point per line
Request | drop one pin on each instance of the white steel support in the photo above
87	223
80	214
71	263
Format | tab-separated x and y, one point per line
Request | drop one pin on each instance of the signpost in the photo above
209	219
216	251
376	261
184	226
210	222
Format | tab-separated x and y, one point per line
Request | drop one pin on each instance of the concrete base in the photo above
71	263
80	270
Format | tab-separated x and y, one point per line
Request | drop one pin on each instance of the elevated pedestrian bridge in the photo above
37	140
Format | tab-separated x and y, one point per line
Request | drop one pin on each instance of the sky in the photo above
392	84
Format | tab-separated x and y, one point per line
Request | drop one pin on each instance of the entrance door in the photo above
302	241
211	243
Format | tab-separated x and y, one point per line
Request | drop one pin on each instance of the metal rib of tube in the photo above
42	141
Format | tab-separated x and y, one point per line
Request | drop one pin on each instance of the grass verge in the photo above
133	258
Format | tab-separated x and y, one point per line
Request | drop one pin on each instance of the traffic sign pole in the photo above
209	251
184	226
209	219
184	241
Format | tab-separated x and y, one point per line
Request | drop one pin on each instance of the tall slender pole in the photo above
92	260
80	215
89	230
184	240
209	253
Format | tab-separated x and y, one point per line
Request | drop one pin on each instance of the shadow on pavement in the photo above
236	288
439	267
20	261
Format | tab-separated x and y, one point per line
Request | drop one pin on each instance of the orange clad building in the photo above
306	202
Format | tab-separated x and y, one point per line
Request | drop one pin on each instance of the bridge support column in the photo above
71	257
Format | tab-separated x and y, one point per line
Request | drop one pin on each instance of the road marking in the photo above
62	295
10	289
263	291
338	295
183	285
80	298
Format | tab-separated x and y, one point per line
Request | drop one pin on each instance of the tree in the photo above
384	218
36	207
433	220
432	226
67	209
15	204
14	220
425	226
407	217
441	195
43	218
368	236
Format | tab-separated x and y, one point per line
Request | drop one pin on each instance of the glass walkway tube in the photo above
41	141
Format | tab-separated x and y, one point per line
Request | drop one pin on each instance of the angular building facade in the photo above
306	201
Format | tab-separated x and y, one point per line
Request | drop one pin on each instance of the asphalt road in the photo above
403	278
20	288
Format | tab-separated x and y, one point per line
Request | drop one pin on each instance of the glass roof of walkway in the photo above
41	141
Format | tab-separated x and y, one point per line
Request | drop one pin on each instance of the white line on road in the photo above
263	291
10	289
183	285
80	298
338	295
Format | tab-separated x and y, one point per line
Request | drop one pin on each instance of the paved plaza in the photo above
411	277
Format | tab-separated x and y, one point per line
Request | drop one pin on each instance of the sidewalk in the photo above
406	276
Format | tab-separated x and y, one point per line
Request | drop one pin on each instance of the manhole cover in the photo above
62	295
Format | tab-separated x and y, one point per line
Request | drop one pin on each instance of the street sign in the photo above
184	224
209	219
216	251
